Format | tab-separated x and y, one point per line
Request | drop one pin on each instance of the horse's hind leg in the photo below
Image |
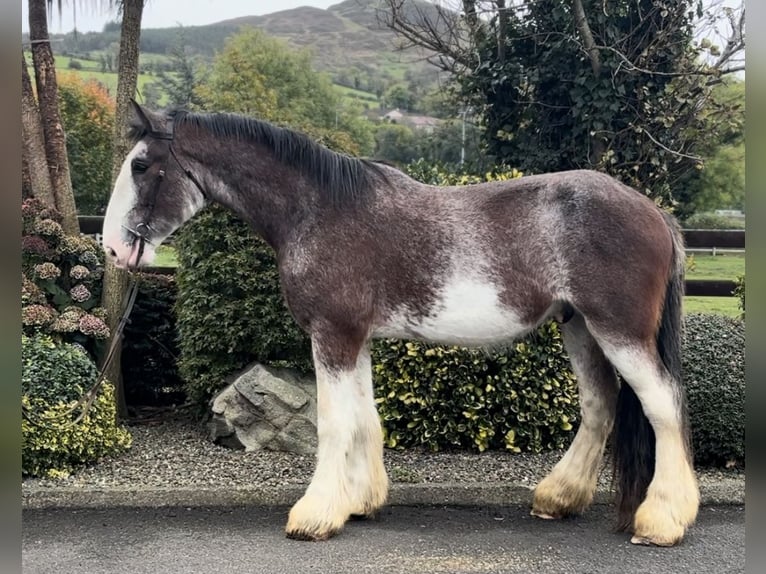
671	499
570	486
349	477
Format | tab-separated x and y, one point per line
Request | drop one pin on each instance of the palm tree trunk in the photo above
35	164
116	280
53	132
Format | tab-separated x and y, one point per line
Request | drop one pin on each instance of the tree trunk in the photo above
35	172
598	148
53	132
116	280
127	77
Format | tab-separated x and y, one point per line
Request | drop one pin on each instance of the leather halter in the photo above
143	230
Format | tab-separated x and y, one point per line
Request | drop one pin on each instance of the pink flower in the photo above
93	326
47	271
30	293
49	228
79	272
67	322
79	293
35	245
37	315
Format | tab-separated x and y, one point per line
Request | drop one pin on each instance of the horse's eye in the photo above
139	166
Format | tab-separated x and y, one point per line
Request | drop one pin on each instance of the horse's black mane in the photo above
341	178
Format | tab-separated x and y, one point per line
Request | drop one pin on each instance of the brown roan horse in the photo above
365	251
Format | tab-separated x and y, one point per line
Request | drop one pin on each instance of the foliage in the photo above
396	143
400	144
150	345
442	397
714	378
230	307
61	281
739	292
181	85
621	87
53	376
260	76
719	181
87	114
434	173
713	221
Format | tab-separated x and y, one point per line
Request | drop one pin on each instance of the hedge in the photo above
230	309
714	378
150	345
54	375
522	399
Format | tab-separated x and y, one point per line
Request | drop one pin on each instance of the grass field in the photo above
705	267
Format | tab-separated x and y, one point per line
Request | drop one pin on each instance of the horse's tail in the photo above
634	441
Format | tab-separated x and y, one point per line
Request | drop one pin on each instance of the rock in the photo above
266	409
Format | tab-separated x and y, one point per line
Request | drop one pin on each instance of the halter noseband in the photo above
143	230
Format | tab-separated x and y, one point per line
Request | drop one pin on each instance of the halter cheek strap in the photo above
143	230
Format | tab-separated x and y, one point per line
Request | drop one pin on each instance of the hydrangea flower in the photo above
49	228
35	245
89	258
77	311
47	270
93	326
37	315
79	293
79	272
67	322
30	293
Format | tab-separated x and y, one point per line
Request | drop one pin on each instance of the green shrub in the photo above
523	399
54	375
713	221
714	378
150	347
739	292
230	308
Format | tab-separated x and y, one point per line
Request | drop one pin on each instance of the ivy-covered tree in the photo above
614	85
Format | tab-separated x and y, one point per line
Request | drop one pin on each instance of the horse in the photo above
364	252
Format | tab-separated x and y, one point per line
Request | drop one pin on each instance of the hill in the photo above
348	40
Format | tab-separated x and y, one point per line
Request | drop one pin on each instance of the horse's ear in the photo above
140	117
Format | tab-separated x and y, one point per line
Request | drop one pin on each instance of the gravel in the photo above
177	453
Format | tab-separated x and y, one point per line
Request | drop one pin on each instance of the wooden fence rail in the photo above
694	238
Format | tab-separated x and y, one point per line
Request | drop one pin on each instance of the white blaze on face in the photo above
124	197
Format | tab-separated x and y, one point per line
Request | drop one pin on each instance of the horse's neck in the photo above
273	199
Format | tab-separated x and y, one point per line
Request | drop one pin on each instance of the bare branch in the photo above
581	23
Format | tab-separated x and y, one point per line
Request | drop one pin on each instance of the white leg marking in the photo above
672	499
349	477
570	486
365	470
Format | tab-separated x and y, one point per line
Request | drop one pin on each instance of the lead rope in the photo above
88	398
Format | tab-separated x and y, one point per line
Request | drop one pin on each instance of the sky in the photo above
166	13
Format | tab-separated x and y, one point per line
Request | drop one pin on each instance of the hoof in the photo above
544	515
314	535
644	541
311	518
555	499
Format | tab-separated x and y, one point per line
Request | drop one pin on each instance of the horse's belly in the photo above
467	312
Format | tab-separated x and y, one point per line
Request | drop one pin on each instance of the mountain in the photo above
345	35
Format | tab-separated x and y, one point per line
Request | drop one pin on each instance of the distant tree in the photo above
74	64
181	84
261	76
396	143
398	96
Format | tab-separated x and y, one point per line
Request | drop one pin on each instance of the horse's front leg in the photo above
349	477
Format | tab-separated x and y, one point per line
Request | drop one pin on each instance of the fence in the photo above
696	240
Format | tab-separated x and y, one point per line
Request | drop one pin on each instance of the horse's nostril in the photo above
111	252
